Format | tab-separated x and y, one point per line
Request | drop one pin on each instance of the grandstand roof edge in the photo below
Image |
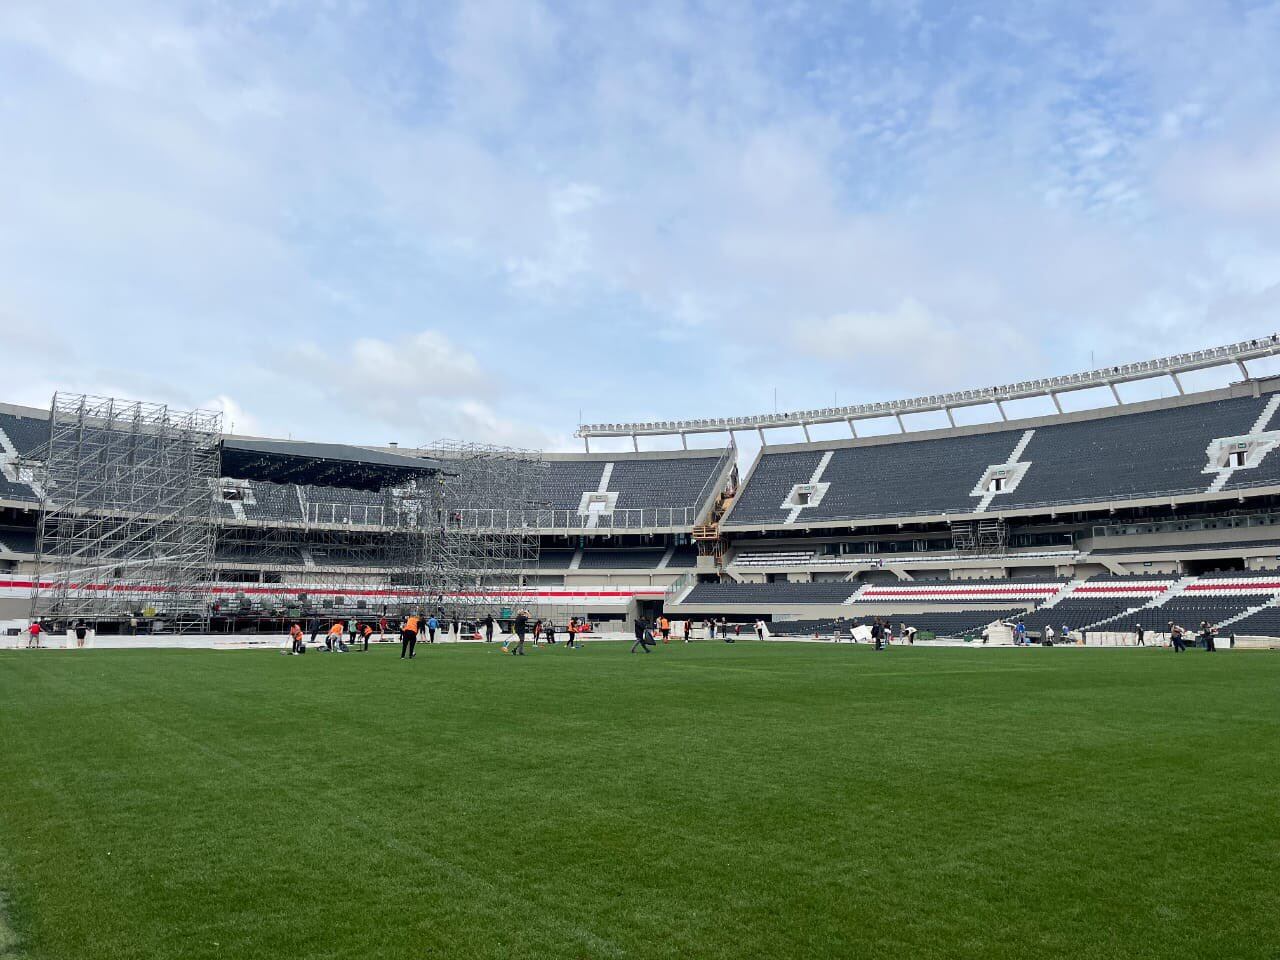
1242	388
1237	353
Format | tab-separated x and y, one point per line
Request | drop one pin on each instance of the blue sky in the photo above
398	221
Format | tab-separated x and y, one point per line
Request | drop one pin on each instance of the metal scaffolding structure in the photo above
469	570
127	520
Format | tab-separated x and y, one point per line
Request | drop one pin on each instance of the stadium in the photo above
514	480
131	525
1091	523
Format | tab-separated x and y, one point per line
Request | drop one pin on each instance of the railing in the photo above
356	514
1228	521
677	588
573	520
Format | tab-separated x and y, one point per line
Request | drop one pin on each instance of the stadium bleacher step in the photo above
1061	595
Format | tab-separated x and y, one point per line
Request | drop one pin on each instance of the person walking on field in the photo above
488	629
353	628
521	626
664	627
1175	638
1139	631
409	636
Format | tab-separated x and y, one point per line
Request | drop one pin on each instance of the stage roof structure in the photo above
320	464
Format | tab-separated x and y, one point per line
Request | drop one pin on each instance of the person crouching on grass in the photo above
367	632
295	638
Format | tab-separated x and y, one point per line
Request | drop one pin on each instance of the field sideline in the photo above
753	800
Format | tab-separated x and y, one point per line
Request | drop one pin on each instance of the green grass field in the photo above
704	801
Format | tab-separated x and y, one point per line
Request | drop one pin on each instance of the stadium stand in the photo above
1117	456
942	624
555	559
18	540
21	492
27	434
960	591
770	593
620	559
683	558
1189	547
1263	623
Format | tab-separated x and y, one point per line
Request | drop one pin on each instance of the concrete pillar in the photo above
1116	393
852	429
1057	404
901	428
1000	407
950	416
1177	383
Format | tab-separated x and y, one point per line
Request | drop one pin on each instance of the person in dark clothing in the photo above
644	637
488	629
315	629
521	628
1138	629
1206	636
877	634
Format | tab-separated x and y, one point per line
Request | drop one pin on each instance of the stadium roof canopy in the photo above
319	464
1051	387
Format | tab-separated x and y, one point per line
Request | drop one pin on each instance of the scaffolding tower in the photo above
127	519
467	539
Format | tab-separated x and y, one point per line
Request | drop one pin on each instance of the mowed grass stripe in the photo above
807	800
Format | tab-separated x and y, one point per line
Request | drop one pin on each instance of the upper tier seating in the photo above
566	481
769	593
658	484
25	433
1115	457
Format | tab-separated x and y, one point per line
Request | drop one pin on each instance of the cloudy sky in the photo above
375	221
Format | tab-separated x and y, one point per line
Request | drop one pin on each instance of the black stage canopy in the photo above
319	464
